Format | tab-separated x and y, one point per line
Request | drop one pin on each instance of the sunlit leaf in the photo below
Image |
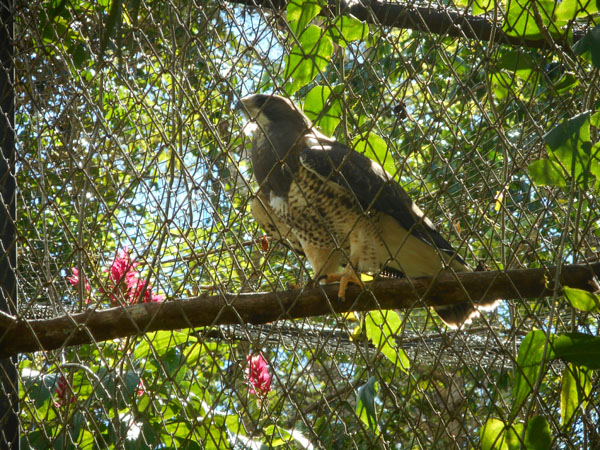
481	6
347	29
300	13
501	84
575	387
582	300
381	328
545	172
520	20
307	59
491	435
530	362
568	10
323	108
374	147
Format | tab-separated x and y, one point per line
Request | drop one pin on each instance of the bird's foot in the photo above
348	275
315	282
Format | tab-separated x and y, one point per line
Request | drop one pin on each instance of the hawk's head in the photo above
268	110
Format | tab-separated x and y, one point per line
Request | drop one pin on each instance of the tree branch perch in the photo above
19	336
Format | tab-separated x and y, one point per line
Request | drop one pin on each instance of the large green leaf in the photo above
381	328
545	172
497	435
373	146
589	46
568	10
300	13
530	362
537	434
576	386
347	29
570	146
579	349
582	300
520	20
491	435
323	108
365	404
308	58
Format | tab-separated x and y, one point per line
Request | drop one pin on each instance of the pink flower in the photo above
63	393
258	375
122	266
126	279
141	390
74	279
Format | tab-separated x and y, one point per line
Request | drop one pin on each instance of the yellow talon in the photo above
348	275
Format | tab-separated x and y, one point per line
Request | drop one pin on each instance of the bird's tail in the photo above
456	316
460	314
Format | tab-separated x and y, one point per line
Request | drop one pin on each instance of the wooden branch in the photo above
18	335
430	20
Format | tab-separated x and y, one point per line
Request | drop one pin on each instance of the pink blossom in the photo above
122	266
258	375
74	279
63	392
141	390
123	274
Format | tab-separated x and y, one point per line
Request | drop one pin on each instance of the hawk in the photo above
340	208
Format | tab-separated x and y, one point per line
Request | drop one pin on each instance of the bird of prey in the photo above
340	208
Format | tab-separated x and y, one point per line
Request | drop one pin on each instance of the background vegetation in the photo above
128	150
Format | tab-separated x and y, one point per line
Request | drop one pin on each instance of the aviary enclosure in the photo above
143	307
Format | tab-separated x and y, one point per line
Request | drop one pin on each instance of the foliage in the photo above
126	137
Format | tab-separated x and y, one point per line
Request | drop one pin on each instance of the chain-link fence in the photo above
134	189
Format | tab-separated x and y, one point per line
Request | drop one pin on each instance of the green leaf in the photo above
566	82
517	62
568	10
365	404
576	387
530	363
482	6
284	437
324	109
374	147
545	172
492	435
520	21
595	119
582	300
563	134
589	46
347	29
381	327
79	54
537	434
579	349
570	144
307	59
501	84
161	342
299	13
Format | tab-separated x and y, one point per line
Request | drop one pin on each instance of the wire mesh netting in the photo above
135	184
